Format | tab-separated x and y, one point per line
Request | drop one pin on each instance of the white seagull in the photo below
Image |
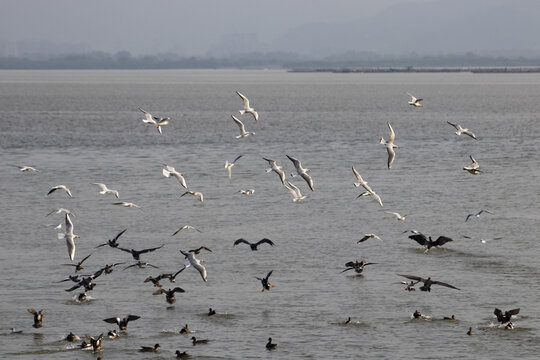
194	193
60	187
105	190
196	263
364	184
69	236
126	204
243	132
169	170
295	192
397	215
247	108
229	165
478	214
60	211
473	168
27	168
390	145
301	171
461	130
368	236
158	122
184	228
414	101
277	169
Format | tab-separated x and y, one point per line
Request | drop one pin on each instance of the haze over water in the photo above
81	127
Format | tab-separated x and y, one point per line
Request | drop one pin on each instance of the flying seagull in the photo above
368	236
69	236
169	170
473	168
414	101
184	228
105	190
196	263
194	193
126	204
461	130
303	172
364	184
427	282
295	192
60	187
422	240
27	168
158	122
229	165
397	215
243	132
277	169
254	245
247	108
390	145
477	214
60	211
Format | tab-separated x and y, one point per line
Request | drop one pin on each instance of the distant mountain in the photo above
486	27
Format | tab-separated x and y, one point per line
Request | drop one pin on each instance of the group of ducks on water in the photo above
87	283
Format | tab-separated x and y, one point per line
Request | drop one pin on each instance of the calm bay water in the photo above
81	127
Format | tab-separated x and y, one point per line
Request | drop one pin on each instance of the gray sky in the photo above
222	27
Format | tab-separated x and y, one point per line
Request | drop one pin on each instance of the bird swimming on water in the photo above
270	345
154	348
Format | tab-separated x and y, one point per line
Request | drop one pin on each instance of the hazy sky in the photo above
215	27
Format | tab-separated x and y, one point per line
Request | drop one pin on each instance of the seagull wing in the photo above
308	179
454	125
391	155
239	123
245	99
392	135
238	157
296	162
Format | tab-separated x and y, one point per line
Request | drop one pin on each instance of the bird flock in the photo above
191	258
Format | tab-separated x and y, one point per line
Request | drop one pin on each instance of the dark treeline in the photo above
125	60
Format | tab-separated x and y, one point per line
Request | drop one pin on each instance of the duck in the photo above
185	330
96	343
82	297
451	318
505	317
357	266
169	294
509	326
112	334
181	354
198	341
418	315
270	345
265	283
38	317
122	323
71	337
155	348
348	321
211	312
85	345
470	332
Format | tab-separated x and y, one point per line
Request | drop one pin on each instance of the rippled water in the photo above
81	127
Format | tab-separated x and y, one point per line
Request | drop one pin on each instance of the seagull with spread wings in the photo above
247	108
158	122
390	146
